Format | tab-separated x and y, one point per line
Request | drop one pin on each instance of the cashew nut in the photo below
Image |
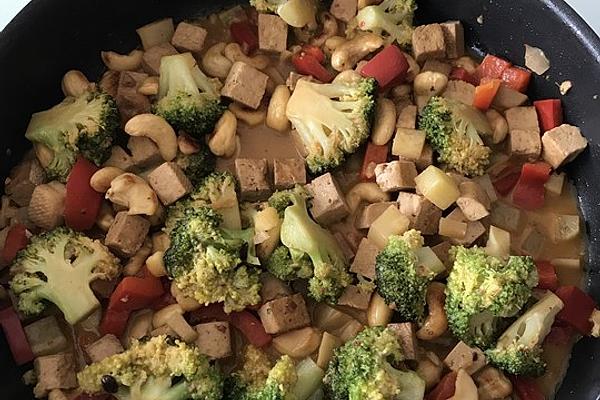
436	323
222	142
276	116
385	122
187	145
465	387
349	53
102	178
121	62
498	124
430	368
215	63
156	129
75	83
430	83
149	86
156	265
366	191
330	28
105	217
250	117
131	191
136	262
413	67
275	79
234	53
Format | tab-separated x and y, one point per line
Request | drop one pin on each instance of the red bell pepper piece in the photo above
82	203
251	328
485	93
16	240
492	67
211	312
306	63
550	113
444	389
245	34
526	388
374	155
15	336
461	74
560	335
389	65
547	275
516	78
506	180
529	192
577	310
314	51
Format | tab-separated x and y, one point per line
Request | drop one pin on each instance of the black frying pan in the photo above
50	37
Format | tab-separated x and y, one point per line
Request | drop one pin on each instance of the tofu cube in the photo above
214	339
252	174
407	335
531	242
144	152
169	182
106	346
525	144
522	118
428	42
156	32
245	84
505	217
127	234
328	203
120	159
471	359
473	201
562	144
408	143
45	337
437	66
364	261
152	56
396	175
424	215
508	98
354	297
370	213
272	33
454	36
189	37
344	10
55	371
288	172
22	181
129	100
284	314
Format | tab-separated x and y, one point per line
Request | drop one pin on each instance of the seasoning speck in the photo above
565	87
480	19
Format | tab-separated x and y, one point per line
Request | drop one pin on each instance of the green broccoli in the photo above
283	266
282	199
399	279
332	119
295	13
483	291
197	166
204	260
159	368
394	17
188	99
519	349
453	129
58	266
365	368
85	125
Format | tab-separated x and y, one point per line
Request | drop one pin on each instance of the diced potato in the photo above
379	313
156	33
498	243
391	222
555	184
437	187
299	343
452	228
45	337
429	262
408	143
338	323
329	343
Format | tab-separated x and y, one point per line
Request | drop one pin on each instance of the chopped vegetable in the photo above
506	180
492	67
444	389
536	60
373	155
15	336
437	187
526	388
82	203
578	308
308	62
389	65
251	328
516	78
548	279
16	240
461	74
245	34
550	113
485	93
529	192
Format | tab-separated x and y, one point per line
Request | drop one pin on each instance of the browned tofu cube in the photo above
22	181
454	36
460	91
428	42
328	203
214	339
252	174
127	234
407	335
45	337
562	144
106	346
364	261
437	66
272	33
54	372
284	314
525	144
508	98
129	100
424	215
475	229
169	182
344	10
189	37
354	297
370	213
288	172
345	246
245	84
425	159
144	152
473	201
152	57
120	159
471	359
156	32
396	175
522	118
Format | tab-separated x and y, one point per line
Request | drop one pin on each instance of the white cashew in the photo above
250	117
156	265
349	53
136	262
276	116
385	122
75	83
330	28
465	387
121	62
222	142
430	83
333	43
413	68
187	145
102	178
215	63
131	191
149	86
234	53
498	124
436	323
366	191
156	129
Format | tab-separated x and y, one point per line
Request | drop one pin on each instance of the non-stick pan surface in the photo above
50	37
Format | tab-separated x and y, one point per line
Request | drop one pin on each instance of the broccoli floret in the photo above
295	13
399	280
85	125
332	119
283	266
197	166
483	291
58	266
454	130
282	199
365	368
188	99
204	260
259	379
392	17
160	368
